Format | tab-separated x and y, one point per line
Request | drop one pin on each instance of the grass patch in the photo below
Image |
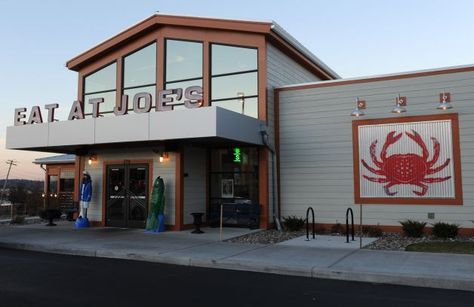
442	247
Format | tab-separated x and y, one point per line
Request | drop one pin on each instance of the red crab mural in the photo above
409	168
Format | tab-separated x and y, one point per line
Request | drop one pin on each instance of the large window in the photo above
234	175
101	84
234	79
183	66
139	73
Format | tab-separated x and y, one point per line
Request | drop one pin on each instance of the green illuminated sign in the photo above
237	155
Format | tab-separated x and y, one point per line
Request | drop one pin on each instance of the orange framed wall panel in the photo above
456	159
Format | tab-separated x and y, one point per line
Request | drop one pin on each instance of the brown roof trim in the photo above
278	41
408	75
157	20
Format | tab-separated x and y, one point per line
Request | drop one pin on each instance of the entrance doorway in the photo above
127	195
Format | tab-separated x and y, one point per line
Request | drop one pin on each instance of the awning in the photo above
207	123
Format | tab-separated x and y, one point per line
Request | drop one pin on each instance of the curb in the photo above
301	271
402	279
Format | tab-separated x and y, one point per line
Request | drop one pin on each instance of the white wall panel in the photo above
316	146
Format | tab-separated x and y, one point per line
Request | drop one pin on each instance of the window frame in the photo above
123	88
165	57
211	172
122	73
257	70
98	92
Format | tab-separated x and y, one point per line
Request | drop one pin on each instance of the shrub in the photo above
337	228
293	223
413	228
372	231
445	230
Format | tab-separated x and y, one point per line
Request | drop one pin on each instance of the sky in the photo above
354	38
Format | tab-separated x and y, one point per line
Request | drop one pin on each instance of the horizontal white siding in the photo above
194	182
316	146
281	70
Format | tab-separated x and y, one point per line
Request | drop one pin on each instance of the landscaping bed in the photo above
270	236
387	241
443	247
397	241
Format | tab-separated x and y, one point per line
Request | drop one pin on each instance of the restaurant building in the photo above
231	111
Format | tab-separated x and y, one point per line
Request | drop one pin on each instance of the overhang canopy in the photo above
212	124
58	159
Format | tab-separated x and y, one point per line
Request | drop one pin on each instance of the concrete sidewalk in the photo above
206	250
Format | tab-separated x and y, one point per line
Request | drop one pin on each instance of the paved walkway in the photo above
332	261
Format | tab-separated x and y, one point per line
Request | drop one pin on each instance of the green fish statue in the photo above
155	220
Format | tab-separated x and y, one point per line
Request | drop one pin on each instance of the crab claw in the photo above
417	138
391	139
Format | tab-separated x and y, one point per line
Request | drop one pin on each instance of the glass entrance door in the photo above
127	195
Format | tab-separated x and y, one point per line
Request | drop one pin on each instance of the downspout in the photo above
264	134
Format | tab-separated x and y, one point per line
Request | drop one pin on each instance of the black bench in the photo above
235	214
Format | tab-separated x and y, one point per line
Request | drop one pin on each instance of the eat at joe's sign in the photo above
142	103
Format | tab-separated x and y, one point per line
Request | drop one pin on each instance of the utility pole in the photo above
11	163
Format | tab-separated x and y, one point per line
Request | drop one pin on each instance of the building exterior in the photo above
239	112
183	79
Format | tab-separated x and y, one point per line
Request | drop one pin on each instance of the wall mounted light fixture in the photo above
400	103
163	156
360	106
444	101
92	158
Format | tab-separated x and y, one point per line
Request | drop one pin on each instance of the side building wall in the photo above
316	155
281	70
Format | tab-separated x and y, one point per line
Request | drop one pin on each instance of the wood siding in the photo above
316	146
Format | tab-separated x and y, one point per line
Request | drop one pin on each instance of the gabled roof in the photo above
58	159
268	28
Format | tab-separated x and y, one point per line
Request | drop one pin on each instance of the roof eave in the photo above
278	30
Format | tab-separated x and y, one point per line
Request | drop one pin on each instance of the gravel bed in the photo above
267	237
388	241
272	236
398	242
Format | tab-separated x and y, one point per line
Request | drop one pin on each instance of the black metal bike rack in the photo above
307	222
347	224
